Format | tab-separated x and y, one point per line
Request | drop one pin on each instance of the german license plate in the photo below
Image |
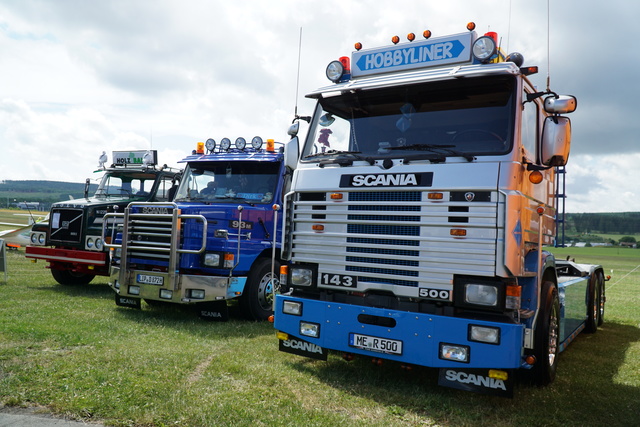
147	279
380	345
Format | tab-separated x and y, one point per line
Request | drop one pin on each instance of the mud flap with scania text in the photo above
300	347
214	311
130	302
477	380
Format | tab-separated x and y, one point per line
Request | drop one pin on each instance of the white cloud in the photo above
82	77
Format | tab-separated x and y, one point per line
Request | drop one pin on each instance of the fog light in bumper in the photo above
309	329
134	290
166	294
454	352
292	307
195	293
484	334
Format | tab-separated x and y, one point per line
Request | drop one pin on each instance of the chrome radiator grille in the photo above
396	237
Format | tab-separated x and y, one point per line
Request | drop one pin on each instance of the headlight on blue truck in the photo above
301	276
479	293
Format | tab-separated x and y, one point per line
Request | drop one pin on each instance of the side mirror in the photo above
562	104
556	141
291	153
293	129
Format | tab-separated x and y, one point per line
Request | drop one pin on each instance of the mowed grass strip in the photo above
73	351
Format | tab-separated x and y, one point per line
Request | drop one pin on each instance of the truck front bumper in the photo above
175	288
407	337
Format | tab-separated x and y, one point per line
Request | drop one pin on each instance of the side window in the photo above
530	129
165	193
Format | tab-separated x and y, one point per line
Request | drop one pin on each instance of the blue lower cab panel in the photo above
406	337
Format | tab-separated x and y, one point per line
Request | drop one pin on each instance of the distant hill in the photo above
43	192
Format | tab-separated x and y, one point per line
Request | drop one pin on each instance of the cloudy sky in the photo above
81	76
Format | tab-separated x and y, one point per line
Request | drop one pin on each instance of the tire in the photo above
256	302
595	304
603	298
547	336
66	277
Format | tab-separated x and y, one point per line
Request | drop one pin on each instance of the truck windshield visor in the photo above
229	182
459	117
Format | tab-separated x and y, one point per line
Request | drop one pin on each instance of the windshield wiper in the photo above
436	148
330	153
342	158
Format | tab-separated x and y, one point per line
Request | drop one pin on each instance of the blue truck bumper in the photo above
406	337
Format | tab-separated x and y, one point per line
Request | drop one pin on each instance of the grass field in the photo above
71	350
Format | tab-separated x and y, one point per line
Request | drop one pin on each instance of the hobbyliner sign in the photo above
426	53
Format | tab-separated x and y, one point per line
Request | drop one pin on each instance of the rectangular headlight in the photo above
309	329
454	353
211	260
166	294
481	294
292	307
195	293
134	290
301	276
484	334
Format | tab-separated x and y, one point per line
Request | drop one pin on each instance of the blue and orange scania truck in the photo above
420	206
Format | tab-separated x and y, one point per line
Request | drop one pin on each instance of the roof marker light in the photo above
358	46
471	26
395	39
426	34
411	37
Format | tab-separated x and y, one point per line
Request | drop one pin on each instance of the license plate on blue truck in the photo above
377	344
148	279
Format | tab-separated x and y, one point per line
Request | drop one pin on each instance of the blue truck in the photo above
218	240
421	205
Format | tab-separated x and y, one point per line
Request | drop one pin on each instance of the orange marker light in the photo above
535	177
540	210
358	46
514	291
270	145
426	34
471	26
411	37
458	232
395	39
200	148
435	196
336	196
318	228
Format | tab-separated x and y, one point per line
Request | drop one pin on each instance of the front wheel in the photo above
256	302
547	336
67	277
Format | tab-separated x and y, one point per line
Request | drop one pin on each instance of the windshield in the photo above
220	182
462	117
130	185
